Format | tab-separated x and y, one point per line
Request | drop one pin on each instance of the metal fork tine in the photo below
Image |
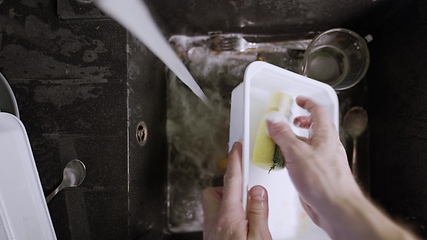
221	43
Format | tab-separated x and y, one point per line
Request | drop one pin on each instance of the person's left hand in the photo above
224	217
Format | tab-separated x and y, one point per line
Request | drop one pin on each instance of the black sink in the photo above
84	85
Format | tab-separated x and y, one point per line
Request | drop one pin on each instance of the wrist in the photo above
358	218
342	218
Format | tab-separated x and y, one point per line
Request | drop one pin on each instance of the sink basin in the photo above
89	90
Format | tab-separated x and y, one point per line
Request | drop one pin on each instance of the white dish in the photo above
23	210
287	219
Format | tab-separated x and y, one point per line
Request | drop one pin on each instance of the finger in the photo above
303	121
318	113
257	213
281	133
232	192
211	202
232	218
320	122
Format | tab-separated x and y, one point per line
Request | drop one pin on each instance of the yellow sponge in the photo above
267	154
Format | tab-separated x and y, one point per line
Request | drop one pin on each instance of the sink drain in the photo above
141	133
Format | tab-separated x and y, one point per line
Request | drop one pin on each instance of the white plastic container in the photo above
287	219
23	210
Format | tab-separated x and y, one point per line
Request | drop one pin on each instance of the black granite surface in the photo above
147	164
398	115
69	78
83	84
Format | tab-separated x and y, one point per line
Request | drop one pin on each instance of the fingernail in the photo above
258	193
276	117
236	145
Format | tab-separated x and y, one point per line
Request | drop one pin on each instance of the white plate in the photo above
23	210
287	219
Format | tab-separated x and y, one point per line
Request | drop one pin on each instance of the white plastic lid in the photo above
287	219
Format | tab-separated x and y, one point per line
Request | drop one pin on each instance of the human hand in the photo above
320	172
317	165
224	217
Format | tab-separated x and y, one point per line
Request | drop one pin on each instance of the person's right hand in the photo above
318	166
320	172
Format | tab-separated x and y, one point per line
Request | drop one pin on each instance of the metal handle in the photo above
52	194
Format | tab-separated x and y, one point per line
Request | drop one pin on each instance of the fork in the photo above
236	43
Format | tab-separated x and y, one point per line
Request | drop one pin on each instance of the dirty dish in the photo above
338	57
287	219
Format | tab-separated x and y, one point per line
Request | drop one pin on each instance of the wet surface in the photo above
83	84
72	101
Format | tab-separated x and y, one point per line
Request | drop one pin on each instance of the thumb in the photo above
281	133
258	213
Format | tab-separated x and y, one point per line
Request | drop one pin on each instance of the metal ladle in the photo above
74	174
354	124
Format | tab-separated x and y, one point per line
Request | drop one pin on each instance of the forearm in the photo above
358	218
